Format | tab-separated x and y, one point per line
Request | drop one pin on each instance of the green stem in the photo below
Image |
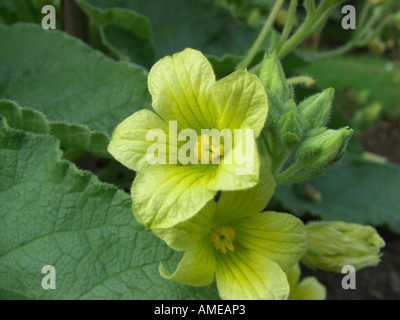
280	160
256	46
363	17
298	177
283	177
376	15
376	32
335	52
361	31
288	25
312	23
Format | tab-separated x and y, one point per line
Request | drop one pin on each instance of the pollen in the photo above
222	239
208	150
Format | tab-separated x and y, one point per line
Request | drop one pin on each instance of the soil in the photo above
384	139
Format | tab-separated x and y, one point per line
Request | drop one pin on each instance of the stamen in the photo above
208	149
222	238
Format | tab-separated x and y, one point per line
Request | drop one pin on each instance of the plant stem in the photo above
335	52
376	32
311	24
361	31
363	16
282	177
256	46
288	25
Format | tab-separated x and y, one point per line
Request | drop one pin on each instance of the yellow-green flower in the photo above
246	251
333	245
185	94
308	288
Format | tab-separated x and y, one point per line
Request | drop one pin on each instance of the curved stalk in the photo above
256	46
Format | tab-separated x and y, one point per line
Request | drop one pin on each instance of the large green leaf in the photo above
54	214
127	46
356	190
175	25
68	81
71	136
124	32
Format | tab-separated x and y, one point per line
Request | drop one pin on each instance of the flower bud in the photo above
333	245
315	110
323	147
289	128
273	78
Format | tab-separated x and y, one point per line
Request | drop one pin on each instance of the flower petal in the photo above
279	236
293	276
236	204
187	234
196	268
249	275
237	175
129	140
241	102
165	195
308	289
178	85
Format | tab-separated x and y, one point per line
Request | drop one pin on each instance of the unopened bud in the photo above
336	244
323	147
273	78
289	128
315	110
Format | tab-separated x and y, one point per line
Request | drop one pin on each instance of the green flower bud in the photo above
332	245
323	147
273	78
289	129
315	110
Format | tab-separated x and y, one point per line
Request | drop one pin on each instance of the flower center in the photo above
222	238
207	149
